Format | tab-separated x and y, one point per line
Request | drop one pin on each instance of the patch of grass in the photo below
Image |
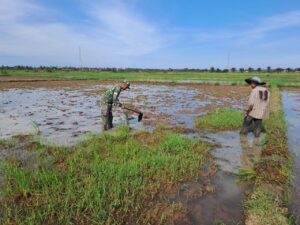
107	179
247	175
4	73
275	79
221	119
7	143
263	207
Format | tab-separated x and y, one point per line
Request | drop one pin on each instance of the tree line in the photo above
50	69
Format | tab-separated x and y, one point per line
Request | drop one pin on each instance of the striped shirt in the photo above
259	101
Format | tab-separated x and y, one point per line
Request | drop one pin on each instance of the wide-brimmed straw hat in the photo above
255	80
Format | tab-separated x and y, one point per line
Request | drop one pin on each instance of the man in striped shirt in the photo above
258	106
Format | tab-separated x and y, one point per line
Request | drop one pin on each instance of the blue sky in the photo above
150	33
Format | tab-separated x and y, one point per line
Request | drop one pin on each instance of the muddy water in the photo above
66	115
235	151
223	202
291	104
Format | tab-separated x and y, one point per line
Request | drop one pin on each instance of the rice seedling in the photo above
221	119
107	179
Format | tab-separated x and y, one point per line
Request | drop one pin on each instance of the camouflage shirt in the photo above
112	96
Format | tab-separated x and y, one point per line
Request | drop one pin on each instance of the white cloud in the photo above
135	35
248	34
114	36
13	10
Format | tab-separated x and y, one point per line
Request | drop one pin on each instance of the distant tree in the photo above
278	69
242	70
212	69
233	69
218	70
269	69
250	69
225	71
258	69
289	70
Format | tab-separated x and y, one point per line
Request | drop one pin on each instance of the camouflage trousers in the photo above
107	116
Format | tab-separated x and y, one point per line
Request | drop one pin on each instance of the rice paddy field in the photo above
274	78
184	163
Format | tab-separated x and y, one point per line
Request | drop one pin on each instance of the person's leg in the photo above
104	114
257	127
246	124
110	117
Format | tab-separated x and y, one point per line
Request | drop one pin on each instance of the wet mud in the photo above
65	112
291	105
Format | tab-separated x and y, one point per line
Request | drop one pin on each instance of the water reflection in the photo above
251	151
291	105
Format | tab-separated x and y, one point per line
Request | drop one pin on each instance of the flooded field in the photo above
291	103
65	112
224	195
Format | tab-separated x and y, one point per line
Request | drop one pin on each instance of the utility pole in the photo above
79	57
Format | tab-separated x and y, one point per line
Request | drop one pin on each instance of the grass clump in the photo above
111	178
262	208
247	174
221	119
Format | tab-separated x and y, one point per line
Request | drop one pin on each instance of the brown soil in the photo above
270	170
271	150
219	91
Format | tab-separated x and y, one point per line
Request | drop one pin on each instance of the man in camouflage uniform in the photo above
258	106
110	99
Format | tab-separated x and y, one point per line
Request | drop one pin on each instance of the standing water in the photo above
291	104
223	201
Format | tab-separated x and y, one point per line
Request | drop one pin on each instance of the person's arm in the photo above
250	102
116	94
248	110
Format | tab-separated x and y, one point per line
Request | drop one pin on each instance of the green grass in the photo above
265	208
276	79
107	179
221	119
247	174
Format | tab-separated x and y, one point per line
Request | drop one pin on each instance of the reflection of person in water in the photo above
250	153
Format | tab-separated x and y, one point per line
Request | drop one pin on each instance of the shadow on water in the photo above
291	105
219	199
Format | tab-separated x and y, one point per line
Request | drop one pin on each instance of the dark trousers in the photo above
107	116
257	126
